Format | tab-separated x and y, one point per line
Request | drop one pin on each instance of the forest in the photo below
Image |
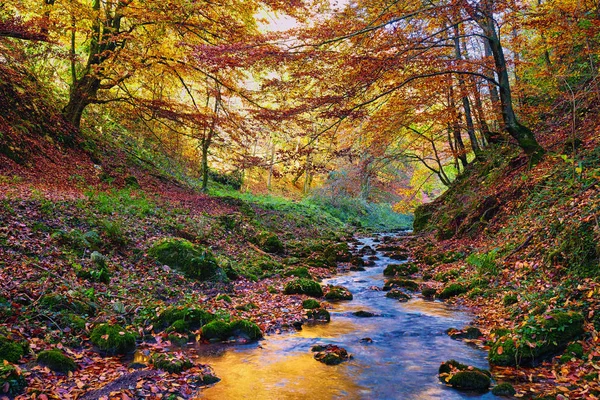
363	199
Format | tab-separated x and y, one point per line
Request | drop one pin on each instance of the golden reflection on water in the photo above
295	376
433	308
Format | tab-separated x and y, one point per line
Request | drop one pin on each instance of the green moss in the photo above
171	363
179	326
574	350
318	314
304	286
549	334
195	262
55	302
194	317
207	379
401	269
247	307
400	283
178	340
12	382
300	272
397	294
423	215
11	351
510	299
470	380
429	292
223	297
363	314
310	304
337	252
452	290
57	361
112	339
216	330
221	330
338	293
504	389
270	243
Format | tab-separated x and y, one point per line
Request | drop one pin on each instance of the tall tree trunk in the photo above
465	98
459	145
522	134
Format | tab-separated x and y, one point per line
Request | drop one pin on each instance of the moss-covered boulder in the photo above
304	286
542	337
464	377
12	381
194	261
429	292
452	290
338	293
400	269
397	294
330	354
206	379
173	363
310	304
10	350
338	252
363	314
222	330
504	389
400	283
573	351
192	318
298	272
57	361
57	303
318	315
270	243
469	332
113	339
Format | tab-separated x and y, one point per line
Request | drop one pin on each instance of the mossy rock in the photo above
397	294
171	363
299	272
429	292
363	314
206	379
452	290
574	350
470	380
57	361
178	339
304	286
338	293
319	315
216	330
338	252
246	307
245	328
194	317
549	333
12	381
10	350
470	332
449	366
221	330
179	326
195	262
330	354
310	304
270	243
400	283
400	269
504	389
113	339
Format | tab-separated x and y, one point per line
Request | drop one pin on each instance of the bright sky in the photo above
281	23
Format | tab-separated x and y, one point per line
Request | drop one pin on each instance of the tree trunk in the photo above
204	165
459	145
522	134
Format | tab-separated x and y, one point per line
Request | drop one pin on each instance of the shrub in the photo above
194	262
57	361
304	286
484	263
113	339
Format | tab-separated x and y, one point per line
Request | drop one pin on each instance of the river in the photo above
408	344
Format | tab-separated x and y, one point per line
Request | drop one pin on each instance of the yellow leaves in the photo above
562	389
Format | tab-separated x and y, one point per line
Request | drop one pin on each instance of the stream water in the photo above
408	345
